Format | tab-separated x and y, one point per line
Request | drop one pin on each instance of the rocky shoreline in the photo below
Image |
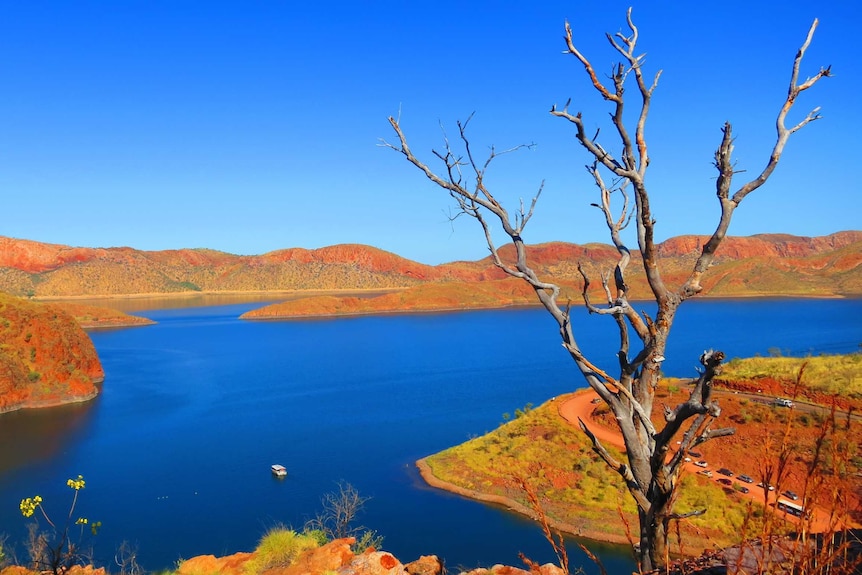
49	403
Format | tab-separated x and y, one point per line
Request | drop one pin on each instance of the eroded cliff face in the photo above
46	358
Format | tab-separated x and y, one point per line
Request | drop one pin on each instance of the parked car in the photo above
695	454
782	402
771	488
701	463
790	495
726	471
740	488
725	481
745	478
705	472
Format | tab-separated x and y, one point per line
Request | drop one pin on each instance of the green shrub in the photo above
184	286
367	540
318	535
521	412
280	547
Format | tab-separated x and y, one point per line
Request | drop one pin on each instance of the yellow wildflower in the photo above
28	506
76	484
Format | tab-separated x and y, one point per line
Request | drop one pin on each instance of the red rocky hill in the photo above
45	356
769	264
51	270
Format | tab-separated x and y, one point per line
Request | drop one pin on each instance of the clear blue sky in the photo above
254	126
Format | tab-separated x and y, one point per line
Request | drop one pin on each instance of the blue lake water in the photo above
176	450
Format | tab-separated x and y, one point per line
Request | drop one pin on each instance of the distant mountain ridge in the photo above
767	264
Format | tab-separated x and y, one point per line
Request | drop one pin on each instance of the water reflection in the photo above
33	436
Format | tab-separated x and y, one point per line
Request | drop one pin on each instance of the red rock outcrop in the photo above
46	358
334	557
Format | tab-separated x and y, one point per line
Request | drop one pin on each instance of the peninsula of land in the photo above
543	450
46	358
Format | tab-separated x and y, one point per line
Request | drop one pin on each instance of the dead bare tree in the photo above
653	464
337	518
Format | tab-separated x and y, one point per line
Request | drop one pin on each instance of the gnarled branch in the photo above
725	167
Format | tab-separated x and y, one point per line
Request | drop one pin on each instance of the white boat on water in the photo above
279	470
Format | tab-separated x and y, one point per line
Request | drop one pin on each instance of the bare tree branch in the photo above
651	472
725	167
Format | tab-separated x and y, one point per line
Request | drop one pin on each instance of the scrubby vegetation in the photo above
337	519
576	488
280	547
57	547
839	375
813	452
45	356
90	316
808	267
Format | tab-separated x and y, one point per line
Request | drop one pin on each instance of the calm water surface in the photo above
176	450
